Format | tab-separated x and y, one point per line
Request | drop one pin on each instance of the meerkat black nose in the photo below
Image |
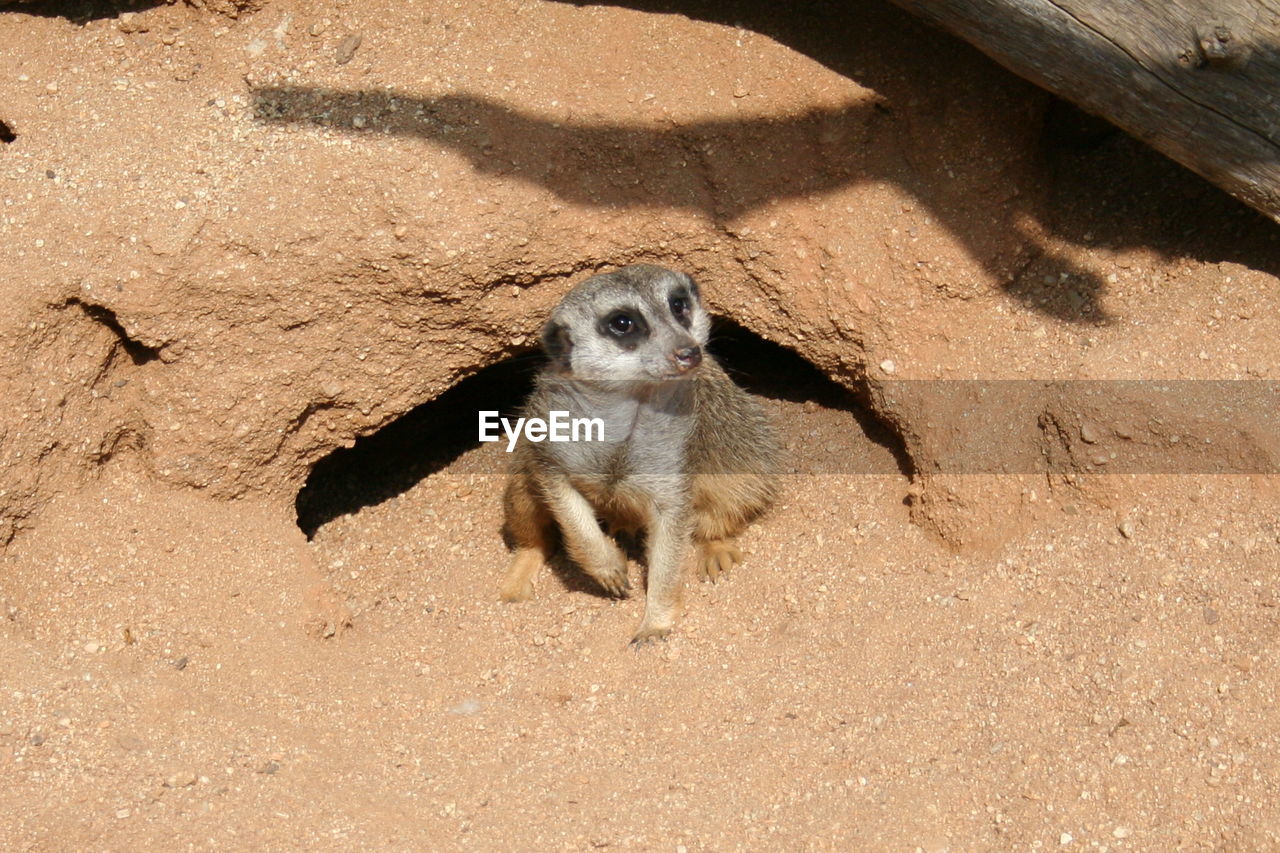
687	358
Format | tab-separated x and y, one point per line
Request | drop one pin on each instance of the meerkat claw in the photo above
649	634
616	585
717	557
612	577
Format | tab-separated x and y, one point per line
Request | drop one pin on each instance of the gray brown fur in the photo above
688	457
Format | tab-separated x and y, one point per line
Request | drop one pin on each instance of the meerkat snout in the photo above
687	358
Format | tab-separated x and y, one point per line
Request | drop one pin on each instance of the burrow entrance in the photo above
82	12
433	436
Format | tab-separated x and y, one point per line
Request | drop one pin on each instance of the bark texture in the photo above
1195	80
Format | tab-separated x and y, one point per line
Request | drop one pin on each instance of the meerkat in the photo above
686	457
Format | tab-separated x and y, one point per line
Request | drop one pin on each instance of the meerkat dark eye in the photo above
621	324
680	306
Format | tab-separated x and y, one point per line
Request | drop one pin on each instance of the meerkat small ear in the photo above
556	343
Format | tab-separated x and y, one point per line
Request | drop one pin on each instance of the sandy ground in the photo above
852	684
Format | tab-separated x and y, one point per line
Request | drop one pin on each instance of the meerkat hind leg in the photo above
525	565
529	523
721	511
716	557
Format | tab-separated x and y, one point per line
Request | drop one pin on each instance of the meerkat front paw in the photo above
717	557
611	574
649	633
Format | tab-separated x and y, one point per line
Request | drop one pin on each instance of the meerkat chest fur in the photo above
639	461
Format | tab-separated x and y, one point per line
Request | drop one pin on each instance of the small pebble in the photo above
888	366
131	743
1121	832
1211	616
181	779
1126	529
347	48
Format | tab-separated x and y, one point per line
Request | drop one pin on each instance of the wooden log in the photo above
1198	80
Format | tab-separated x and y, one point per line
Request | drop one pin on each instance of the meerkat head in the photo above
637	323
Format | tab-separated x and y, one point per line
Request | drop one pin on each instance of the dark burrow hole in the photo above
424	441
82	11
6	132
